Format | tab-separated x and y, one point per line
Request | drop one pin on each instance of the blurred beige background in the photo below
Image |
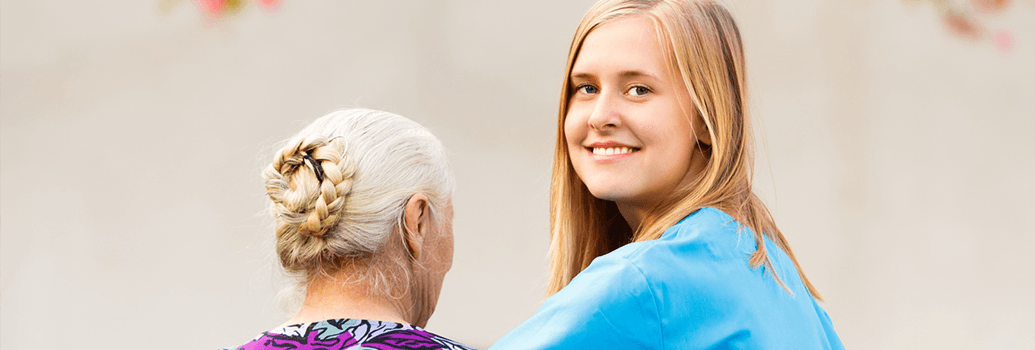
897	159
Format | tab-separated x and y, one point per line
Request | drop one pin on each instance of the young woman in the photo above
657	239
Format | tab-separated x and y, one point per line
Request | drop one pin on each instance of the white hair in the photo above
339	188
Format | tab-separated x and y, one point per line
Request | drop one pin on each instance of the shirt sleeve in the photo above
833	340
608	306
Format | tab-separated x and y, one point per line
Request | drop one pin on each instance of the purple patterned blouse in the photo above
347	333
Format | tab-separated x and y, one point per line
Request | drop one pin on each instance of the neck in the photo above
333	297
633	214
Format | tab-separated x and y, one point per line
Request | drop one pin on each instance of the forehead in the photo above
629	43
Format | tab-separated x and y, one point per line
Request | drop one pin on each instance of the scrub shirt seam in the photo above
657	308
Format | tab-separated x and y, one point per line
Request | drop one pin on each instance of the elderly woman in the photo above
362	204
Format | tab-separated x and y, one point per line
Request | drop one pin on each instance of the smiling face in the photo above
628	127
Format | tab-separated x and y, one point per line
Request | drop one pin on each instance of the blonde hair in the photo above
338	189
705	48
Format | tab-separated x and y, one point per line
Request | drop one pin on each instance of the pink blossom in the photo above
1003	41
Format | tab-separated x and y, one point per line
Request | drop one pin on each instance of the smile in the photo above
610	151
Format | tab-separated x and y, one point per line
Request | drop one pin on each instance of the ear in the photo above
701	130
417	223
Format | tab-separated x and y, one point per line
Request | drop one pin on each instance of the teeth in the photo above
612	151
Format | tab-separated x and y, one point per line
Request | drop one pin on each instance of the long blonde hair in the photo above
705	48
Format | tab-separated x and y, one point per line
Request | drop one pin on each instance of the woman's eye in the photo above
638	90
587	89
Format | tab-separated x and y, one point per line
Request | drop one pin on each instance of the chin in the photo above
607	193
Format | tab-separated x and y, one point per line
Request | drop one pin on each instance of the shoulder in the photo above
699	254
699	267
622	299
608	305
611	287
703	240
713	229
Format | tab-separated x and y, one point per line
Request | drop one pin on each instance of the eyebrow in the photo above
624	74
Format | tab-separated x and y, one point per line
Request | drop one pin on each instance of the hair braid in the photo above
307	205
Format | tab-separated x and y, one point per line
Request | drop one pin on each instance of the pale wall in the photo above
897	159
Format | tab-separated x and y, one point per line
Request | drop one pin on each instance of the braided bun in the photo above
307	198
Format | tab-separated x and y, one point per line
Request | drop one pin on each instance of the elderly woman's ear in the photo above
417	224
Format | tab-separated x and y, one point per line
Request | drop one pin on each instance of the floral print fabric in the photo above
341	334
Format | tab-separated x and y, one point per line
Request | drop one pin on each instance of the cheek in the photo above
679	138
569	136
443	260
449	252
574	134
674	131
672	138
680	145
574	126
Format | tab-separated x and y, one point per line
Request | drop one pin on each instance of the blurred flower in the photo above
971	22
961	25
990	6
232	6
217	8
1003	41
212	7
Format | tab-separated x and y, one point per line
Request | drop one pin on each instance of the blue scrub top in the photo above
692	288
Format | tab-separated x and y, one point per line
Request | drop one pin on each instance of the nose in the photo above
605	115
